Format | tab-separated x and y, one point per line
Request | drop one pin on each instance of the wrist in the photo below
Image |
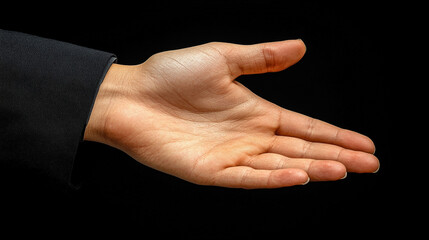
108	91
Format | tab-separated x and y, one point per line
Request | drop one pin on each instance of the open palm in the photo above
183	113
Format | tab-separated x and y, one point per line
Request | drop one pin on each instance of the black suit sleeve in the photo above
47	90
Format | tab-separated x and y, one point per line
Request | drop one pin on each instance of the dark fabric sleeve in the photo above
47	90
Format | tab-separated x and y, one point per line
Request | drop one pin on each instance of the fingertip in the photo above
373	164
305	183
290	177
360	162
327	170
303	177
294	50
301	46
378	168
356	141
368	145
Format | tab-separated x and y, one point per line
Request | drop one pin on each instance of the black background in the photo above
342	79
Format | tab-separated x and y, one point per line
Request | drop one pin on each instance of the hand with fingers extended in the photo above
182	112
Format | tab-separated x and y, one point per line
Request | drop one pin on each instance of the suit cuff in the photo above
47	91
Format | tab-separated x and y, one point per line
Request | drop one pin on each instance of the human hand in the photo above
183	113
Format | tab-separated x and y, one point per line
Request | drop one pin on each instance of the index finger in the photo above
298	125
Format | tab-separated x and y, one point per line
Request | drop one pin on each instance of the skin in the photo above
182	112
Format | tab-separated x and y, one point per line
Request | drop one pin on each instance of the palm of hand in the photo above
186	116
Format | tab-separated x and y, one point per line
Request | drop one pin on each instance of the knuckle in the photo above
269	58
311	123
305	148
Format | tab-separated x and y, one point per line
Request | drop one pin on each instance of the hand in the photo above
183	113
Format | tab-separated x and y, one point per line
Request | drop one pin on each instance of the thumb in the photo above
264	57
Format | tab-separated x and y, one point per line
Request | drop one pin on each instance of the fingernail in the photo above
344	176
377	169
308	180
